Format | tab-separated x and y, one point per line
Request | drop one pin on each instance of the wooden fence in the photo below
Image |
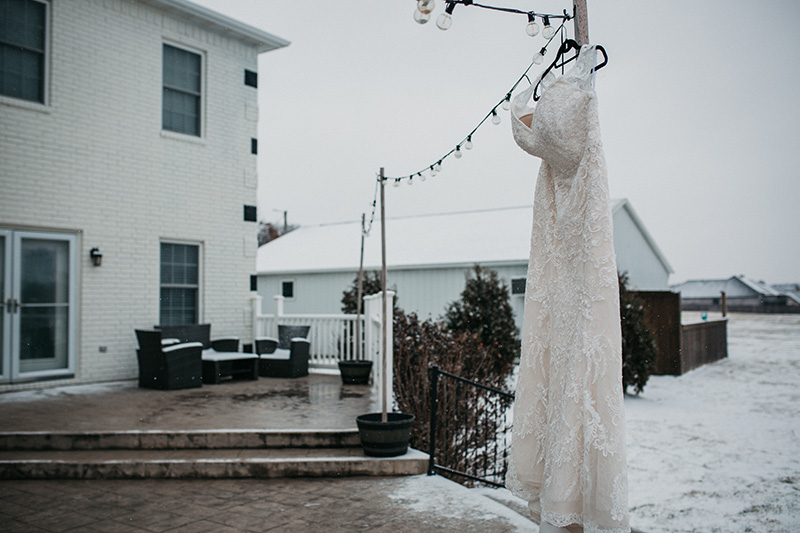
681	347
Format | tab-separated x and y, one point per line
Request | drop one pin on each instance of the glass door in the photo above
6	306
39	312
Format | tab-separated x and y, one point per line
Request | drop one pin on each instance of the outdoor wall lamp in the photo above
97	256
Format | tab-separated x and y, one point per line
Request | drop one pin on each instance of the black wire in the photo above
490	113
509	9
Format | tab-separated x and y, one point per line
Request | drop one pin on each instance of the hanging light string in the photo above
425	9
466	142
365	229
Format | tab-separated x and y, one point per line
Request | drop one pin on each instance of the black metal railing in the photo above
470	430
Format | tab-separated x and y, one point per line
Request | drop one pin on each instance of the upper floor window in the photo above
22	49
182	91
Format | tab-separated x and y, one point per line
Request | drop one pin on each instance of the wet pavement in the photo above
396	504
313	402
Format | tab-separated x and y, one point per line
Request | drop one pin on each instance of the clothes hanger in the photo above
566	46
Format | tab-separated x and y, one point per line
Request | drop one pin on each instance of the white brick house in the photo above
129	127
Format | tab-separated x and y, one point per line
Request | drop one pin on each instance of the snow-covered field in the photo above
718	449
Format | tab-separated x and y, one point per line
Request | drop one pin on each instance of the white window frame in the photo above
30	104
203	112
200	261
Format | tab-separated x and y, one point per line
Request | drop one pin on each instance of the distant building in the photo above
742	294
127	138
428	257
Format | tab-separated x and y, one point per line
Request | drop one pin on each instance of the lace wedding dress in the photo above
568	445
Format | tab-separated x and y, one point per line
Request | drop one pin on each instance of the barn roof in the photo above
734	287
489	237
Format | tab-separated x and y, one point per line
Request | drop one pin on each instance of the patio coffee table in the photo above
217	365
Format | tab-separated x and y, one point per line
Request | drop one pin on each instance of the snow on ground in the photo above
718	449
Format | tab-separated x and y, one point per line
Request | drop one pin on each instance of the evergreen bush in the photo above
484	310
638	343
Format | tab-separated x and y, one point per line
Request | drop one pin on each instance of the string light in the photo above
548	31
445	20
424	11
532	28
492	115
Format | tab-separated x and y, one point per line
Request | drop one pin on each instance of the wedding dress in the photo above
568	445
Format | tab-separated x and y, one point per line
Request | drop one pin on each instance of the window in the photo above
518	285
180	288
182	84
22	49
287	289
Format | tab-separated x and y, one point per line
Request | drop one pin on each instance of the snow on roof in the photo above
488	237
735	286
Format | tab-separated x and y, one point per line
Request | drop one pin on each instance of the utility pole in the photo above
581	22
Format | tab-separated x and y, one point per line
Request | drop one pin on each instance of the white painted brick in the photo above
95	162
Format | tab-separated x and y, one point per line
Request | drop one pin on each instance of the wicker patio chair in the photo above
287	356
168	366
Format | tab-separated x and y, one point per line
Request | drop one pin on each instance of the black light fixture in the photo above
97	256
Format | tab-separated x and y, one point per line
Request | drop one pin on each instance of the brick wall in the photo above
94	161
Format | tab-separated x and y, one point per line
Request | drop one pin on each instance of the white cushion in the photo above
213	355
173	347
279	354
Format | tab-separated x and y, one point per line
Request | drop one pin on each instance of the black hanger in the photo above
566	46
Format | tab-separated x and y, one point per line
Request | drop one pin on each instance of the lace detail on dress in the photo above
568	449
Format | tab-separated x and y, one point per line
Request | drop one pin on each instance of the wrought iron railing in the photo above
470	430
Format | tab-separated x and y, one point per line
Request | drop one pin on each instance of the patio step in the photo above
205	463
184	439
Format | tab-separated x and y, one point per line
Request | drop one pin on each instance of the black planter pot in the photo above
385	439
355	372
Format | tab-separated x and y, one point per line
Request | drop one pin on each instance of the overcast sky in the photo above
699	111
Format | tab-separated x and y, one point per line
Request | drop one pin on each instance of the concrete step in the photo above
205	463
171	440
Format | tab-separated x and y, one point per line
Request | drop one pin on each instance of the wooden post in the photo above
581	22
723	302
384	399
360	293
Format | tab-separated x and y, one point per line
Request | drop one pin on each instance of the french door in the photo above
38	300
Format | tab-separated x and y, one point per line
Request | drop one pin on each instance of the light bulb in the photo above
532	28
420	17
433	171
468	143
457	153
438	166
410	181
444	21
507	102
495	117
425	6
396	183
421	176
539	56
548	31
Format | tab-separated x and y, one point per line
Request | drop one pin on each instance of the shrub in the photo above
371	285
638	343
484	310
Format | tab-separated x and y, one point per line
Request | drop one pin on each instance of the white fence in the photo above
333	337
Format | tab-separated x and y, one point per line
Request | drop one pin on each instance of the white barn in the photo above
428	258
127	135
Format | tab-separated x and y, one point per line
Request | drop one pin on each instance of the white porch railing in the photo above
333	337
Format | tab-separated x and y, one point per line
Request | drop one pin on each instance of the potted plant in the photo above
355	372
